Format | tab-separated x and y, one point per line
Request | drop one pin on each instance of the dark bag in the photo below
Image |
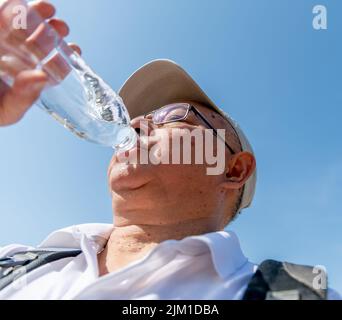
21	263
276	280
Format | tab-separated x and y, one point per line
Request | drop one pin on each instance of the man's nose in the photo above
142	126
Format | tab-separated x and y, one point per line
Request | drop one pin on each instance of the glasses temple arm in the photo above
214	130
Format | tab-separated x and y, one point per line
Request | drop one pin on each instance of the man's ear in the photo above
240	167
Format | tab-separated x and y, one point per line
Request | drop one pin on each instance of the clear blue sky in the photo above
261	60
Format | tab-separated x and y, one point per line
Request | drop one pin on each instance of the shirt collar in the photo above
70	237
224	246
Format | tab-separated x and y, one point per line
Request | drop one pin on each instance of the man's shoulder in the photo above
65	238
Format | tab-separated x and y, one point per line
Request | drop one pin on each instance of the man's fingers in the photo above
39	40
75	47
26	90
12	65
26	79
3	89
14	35
44	8
60	26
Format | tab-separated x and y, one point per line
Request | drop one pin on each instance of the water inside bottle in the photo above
85	105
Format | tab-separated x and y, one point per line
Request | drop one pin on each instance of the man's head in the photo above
157	193
173	193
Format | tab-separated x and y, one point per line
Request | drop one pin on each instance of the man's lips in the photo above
124	177
131	170
144	143
132	156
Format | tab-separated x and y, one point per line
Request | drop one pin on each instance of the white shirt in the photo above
209	266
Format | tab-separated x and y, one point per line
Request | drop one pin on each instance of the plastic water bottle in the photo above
75	95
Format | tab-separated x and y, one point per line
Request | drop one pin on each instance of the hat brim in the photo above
157	84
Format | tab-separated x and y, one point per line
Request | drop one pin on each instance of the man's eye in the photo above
173	117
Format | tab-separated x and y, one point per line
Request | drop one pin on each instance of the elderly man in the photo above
168	239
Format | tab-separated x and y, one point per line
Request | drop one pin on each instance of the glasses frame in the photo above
197	113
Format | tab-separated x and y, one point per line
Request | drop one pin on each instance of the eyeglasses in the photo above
179	112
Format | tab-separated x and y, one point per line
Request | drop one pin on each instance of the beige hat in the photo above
161	82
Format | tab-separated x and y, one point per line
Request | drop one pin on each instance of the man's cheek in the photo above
155	155
159	153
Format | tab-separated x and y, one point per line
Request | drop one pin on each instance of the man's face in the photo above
166	193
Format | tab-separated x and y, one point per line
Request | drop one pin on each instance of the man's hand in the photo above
28	84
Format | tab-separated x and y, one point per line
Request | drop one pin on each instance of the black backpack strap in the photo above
276	280
21	263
